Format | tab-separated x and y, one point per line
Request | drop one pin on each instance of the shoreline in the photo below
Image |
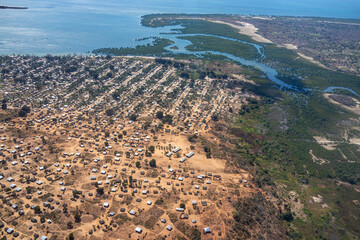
250	30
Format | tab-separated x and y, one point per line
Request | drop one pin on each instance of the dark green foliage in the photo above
207	151
3	104
70	69
185	75
37	210
156	48
167	119
133	117
77	216
100	190
110	112
152	149
163	61
152	163
70	225
71	236
116	95
287	216
192	138
209	43
110	74
24	111
215	118
159	114
193	26
159	201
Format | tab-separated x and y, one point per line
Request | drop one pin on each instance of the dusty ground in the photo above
325	143
59	147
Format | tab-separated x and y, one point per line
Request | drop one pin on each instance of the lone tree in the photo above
152	163
110	112
159	115
4	105
152	149
133	117
71	236
215	118
138	164
116	95
100	190
37	209
70	225
167	119
77	217
287	216
24	111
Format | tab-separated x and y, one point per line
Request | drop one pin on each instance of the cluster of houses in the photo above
68	154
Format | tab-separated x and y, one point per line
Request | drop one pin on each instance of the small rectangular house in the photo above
138	229
207	230
176	149
190	154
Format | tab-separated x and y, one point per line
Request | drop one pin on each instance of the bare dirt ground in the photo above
325	143
78	168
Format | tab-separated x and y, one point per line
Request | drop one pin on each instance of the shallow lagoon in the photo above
80	26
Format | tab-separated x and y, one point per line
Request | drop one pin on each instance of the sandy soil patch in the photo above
246	29
316	199
290	46
355	141
263	18
316	159
242	78
325	143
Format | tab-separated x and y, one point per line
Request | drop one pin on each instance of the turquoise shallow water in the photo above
79	26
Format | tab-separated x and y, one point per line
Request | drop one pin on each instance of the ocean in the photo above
80	26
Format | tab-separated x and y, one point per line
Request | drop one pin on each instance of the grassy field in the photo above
288	126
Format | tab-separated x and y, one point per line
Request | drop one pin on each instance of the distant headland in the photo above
9	7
